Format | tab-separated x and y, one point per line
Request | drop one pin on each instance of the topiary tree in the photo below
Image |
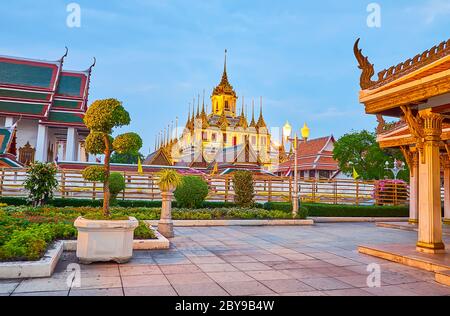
243	188
101	118
116	185
41	182
192	192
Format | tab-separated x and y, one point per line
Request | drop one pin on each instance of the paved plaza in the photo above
217	261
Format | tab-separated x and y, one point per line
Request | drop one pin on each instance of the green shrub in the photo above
144	232
243	188
40	182
192	192
341	210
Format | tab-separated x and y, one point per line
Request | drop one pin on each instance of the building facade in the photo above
43	105
219	134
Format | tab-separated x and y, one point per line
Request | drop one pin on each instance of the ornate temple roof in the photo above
400	70
42	90
224	87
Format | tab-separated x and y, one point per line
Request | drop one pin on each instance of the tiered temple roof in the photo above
43	90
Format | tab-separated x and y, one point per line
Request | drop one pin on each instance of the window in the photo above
224	137
214	137
253	140
204	136
217	106
263	141
227	106
312	173
234	141
324	174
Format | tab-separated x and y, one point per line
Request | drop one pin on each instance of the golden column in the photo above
430	221
414	187
446	165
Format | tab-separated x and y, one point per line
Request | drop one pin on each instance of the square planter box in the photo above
105	240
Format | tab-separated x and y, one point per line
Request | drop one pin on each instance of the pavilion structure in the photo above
417	92
42	107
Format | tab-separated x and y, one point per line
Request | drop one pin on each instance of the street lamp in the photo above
287	130
398	166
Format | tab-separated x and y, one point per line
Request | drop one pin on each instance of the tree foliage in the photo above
192	192
130	159
101	118
41	182
243	188
361	151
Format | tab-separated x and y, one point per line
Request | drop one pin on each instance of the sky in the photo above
157	55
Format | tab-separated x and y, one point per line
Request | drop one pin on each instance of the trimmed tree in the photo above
101	118
243	188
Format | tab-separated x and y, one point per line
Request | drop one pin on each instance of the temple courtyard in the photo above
216	261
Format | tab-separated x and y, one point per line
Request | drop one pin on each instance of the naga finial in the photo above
366	67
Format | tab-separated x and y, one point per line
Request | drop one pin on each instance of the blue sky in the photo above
156	55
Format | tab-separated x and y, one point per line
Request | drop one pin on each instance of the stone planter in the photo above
103	240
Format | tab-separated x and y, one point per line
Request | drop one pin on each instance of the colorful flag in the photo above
140	170
355	174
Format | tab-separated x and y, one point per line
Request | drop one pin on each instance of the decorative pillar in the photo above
430	222
71	144
414	188
165	225
41	144
446	165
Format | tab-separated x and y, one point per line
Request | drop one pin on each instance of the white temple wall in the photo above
27	132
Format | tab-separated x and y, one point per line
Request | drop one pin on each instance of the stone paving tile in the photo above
152	290
296	256
144	280
126	270
246	288
51	293
359	281
200	289
268	275
97	292
311	293
100	282
315	264
269	257
251	266
300	274
179	268
239	259
99	271
427	288
41	285
190	278
342	262
7	287
287	286
326	283
390	290
216	267
347	292
200	260
229	277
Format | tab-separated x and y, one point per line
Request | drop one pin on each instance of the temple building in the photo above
417	92
42	107
314	160
219	135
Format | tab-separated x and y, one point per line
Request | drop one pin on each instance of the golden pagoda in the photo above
221	134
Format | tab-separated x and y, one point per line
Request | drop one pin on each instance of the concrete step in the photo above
443	277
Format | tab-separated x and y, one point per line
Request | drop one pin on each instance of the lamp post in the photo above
398	166
287	130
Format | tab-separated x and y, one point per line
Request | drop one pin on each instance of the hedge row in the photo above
328	210
59	202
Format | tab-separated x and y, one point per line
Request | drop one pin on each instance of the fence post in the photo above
335	192
1	184
63	184
126	181
357	192
270	191
226	188
313	189
94	190
395	194
290	189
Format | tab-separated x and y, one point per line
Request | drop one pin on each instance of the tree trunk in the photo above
106	193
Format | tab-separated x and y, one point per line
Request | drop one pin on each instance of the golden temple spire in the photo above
242	119
261	123
198	109
188	122
224	86
252	123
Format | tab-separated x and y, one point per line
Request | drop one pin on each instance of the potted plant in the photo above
168	180
105	237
